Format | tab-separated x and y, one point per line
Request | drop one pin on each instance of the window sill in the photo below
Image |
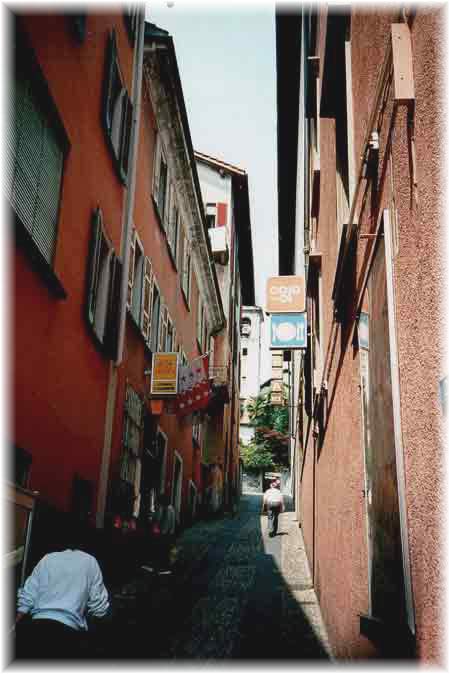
38	261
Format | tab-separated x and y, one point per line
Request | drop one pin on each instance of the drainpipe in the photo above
136	92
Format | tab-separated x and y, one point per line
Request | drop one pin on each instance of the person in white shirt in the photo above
62	590
274	504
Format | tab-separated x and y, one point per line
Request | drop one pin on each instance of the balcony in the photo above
219	244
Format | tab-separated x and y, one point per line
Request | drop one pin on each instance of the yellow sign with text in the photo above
164	374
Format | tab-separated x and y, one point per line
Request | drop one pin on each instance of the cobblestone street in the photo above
234	594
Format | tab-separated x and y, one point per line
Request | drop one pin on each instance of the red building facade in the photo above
112	263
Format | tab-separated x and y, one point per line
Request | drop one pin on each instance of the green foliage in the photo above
257	456
264	415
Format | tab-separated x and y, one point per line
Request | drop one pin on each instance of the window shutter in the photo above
168	207
199	319
221	214
156	168
162	328
93	264
131	271
175	236
110	86
112	318
188	277
34	167
126	135
147	293
174	341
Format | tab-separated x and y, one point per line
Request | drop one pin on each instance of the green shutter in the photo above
94	257
112	317
34	168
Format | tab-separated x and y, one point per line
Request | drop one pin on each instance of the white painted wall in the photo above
249	385
217	189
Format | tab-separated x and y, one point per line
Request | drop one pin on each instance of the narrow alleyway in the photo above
234	594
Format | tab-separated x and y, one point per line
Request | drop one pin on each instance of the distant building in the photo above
226	201
251	335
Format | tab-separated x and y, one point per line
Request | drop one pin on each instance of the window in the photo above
22	467
82	498
162	328
200	322
244	352
78	26
216	214
104	274
246	327
197	427
155	319
138	278
131	17
161	191
205	333
140	287
211	210
36	147
244	368
169	336
117	111
185	268
132	437
173	226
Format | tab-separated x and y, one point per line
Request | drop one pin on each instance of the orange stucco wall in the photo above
59	376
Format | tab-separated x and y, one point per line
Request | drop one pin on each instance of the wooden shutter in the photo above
162	327
126	135
146	310
221	214
93	264
112	317
156	169
174	340
111	76
131	271
34	167
199	319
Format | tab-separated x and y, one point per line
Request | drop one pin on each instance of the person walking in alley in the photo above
273	503
64	588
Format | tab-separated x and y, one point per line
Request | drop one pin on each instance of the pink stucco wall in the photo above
340	560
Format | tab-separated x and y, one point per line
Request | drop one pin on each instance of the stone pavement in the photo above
235	594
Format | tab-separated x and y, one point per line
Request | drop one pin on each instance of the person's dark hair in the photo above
68	534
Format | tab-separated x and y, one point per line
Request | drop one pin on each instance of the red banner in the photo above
194	387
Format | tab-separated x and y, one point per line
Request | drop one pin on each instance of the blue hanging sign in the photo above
288	331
